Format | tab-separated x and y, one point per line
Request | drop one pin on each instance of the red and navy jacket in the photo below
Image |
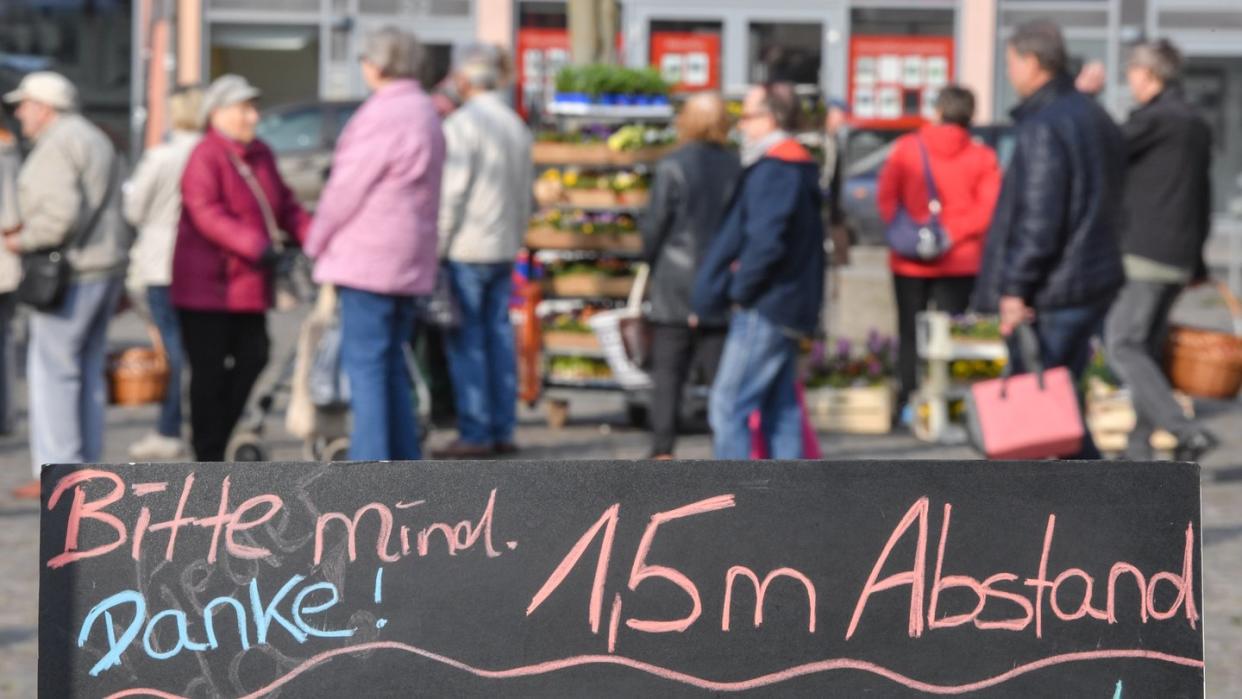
769	253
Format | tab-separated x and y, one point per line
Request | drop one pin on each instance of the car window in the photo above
292	131
343	114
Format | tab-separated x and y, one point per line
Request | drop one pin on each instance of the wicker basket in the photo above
1207	363
138	375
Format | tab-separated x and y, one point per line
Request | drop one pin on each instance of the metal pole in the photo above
139	55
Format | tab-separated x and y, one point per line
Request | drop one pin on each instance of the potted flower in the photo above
851	389
569	86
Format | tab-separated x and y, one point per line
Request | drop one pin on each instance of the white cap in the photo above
46	87
226	90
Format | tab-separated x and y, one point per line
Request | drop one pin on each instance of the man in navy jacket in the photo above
767	263
1052	257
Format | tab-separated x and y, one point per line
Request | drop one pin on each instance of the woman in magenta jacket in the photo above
968	182
235	209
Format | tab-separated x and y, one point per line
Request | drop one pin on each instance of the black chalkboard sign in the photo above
621	579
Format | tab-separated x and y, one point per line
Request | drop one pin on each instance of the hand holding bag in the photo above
292	270
924	242
440	308
1029	416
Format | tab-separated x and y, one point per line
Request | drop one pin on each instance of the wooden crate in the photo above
571	154
564	340
858	410
588	154
590	285
1110	417
635	198
544	238
592	198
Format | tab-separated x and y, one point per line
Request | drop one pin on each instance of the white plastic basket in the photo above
607	327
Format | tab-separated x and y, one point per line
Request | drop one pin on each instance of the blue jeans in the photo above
482	359
1065	340
65	366
165	317
757	372
8	305
374	331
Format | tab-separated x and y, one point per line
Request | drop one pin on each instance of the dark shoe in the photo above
505	449
31	491
462	450
1195	445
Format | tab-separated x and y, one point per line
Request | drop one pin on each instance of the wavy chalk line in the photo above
699	682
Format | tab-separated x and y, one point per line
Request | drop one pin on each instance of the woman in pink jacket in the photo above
236	214
374	238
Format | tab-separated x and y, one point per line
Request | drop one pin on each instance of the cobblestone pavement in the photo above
596	431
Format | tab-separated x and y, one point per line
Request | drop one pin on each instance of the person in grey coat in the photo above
69	181
10	269
689	196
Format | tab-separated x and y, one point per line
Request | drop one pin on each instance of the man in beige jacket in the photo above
68	182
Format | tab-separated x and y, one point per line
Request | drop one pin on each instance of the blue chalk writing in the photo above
310	600
115	645
299	610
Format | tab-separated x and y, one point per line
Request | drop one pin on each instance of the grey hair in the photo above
397	53
1161	57
1042	38
482	65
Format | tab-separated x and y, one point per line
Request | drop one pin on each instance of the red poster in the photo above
541	53
894	80
688	60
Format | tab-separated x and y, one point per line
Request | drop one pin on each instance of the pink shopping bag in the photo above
810	441
1030	416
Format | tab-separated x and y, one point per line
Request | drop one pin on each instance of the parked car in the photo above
303	137
867	150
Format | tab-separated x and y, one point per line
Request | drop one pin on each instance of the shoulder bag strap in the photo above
269	219
933	195
84	233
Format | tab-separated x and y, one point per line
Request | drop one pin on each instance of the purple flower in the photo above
844	349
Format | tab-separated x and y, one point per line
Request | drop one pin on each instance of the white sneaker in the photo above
157	447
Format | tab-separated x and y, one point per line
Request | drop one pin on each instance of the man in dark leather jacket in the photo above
1052	255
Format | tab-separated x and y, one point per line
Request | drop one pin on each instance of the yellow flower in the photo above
570	179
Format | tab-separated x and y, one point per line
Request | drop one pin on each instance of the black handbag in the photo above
441	308
45	273
45	278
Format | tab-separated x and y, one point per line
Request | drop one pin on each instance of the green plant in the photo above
595	79
569	79
650	82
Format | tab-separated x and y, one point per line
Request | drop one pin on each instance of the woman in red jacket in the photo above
236	215
967	179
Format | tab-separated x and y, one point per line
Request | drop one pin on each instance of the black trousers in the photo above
675	350
914	295
226	353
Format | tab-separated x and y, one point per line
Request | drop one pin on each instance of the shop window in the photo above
786	51
892	21
687	53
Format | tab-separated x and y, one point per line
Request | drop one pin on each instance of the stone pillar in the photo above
976	53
